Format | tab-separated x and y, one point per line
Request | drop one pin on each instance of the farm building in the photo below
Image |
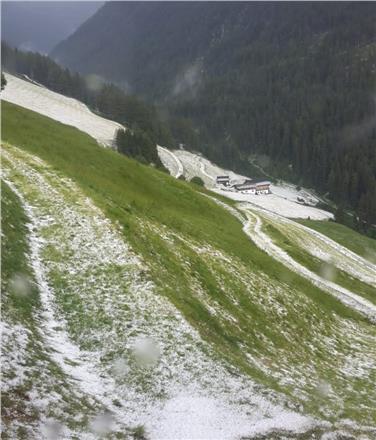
250	186
253	186
262	186
246	187
223	180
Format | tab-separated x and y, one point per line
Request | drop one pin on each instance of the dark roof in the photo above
258	181
244	185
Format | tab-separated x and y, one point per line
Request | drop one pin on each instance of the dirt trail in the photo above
253	228
114	335
324	248
170	161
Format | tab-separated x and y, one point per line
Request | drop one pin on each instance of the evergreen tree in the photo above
3	81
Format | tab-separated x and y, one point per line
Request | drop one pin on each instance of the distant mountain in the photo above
294	82
39	26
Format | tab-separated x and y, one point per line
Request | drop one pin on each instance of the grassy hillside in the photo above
358	243
293	82
26	363
261	318
319	266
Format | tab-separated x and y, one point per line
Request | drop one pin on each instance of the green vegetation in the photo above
294	82
320	267
20	303
197	180
103	98
136	144
135	190
358	243
14	252
139	433
245	304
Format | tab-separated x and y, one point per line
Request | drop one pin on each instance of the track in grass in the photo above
253	228
121	343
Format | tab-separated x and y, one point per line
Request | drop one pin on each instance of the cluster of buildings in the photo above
248	186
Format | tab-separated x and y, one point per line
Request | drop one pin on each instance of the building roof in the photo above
260	182
223	177
245	186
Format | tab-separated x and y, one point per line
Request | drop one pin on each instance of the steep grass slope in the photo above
67	110
34	389
283	200
358	243
151	259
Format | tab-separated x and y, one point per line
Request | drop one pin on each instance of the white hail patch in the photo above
170	161
282	201
98	302
326	249
253	228
56	106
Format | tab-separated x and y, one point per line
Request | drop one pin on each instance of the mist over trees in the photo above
146	129
291	81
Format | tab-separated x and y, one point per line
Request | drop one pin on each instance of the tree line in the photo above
145	128
307	103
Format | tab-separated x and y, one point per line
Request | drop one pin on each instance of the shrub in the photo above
197	180
139	432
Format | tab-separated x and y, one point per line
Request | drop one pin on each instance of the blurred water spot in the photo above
20	285
286	276
146	352
328	271
323	388
52	430
370	255
102	423
94	82
120	367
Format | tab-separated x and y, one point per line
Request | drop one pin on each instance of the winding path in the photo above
324	248
170	161
100	310
253	228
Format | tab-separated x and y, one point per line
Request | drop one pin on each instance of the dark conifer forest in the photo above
104	99
288	86
293	82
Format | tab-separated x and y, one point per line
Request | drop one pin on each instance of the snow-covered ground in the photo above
170	161
66	110
117	317
277	204
186	393
322	247
253	228
283	200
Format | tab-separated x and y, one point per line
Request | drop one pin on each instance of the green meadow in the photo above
259	317
356	242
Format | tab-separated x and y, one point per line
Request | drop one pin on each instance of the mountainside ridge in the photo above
308	354
294	82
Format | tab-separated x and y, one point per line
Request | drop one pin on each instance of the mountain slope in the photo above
258	326
293	82
59	107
